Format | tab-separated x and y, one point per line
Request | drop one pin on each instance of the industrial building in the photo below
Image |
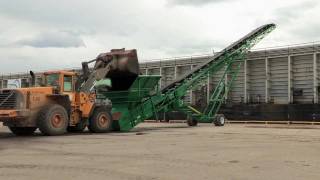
273	84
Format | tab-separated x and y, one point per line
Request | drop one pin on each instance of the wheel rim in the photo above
222	120
57	121
103	121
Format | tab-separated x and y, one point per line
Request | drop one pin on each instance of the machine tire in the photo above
78	127
219	120
23	131
116	126
192	122
100	121
53	120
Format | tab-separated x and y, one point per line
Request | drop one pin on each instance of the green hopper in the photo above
129	107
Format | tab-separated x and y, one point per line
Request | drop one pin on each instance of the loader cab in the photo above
63	82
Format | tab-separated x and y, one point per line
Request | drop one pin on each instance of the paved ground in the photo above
166	151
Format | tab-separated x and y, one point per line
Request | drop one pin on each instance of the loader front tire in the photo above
53	120
100	121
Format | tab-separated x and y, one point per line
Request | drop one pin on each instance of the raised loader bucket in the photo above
124	67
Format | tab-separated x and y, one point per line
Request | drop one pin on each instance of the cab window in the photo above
67	83
52	80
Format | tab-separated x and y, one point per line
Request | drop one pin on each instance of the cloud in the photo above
289	14
297	23
59	39
196	46
194	2
86	16
310	34
45	33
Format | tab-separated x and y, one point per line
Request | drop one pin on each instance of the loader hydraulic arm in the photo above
90	77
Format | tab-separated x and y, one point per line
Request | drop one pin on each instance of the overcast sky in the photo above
51	34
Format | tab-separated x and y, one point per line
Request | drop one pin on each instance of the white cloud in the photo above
60	39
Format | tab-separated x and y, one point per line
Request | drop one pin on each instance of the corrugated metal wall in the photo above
279	76
302	78
256	72
278	80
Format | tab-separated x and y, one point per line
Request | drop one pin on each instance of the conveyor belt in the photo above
232	48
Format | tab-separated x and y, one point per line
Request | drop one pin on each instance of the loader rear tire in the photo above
78	127
100	121
22	131
53	120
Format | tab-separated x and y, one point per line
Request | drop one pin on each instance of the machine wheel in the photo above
100	121
219	120
78	127
192	122
22	131
53	120
115	126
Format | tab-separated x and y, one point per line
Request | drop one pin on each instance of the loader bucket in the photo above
124	67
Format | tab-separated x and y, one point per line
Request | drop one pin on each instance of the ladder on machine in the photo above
230	60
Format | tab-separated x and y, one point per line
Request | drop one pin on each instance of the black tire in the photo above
53	120
23	131
192	122
116	126
100	121
78	127
219	120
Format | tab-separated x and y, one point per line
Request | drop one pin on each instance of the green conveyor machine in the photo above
144	99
